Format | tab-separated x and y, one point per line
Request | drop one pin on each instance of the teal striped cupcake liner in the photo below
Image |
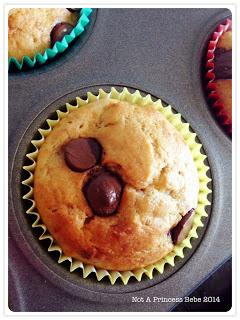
59	46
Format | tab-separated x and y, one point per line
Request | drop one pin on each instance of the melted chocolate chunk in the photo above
82	154
59	31
103	192
223	64
180	232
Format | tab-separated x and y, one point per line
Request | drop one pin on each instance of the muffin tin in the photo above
164	61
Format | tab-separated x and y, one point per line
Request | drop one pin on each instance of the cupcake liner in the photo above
204	191
214	99
59	46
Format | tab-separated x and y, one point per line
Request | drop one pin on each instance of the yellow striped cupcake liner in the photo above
204	191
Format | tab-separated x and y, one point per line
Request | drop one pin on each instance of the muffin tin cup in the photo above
216	104
199	159
59	46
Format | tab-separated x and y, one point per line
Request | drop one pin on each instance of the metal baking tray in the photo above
158	51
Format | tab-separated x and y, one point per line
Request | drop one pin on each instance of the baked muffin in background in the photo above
219	73
33	30
116	185
223	71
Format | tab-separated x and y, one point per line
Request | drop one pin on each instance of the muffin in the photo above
219	68
32	31
116	185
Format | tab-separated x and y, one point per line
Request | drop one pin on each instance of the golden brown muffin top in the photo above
29	29
225	41
160	185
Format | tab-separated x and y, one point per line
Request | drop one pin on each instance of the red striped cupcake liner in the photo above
213	97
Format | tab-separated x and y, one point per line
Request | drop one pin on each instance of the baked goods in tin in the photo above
34	30
219	73
145	164
223	71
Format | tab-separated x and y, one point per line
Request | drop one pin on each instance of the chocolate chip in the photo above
223	64
103	192
181	231
59	31
74	9
82	154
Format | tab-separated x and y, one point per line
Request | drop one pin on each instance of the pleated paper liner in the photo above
204	191
214	99
59	46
